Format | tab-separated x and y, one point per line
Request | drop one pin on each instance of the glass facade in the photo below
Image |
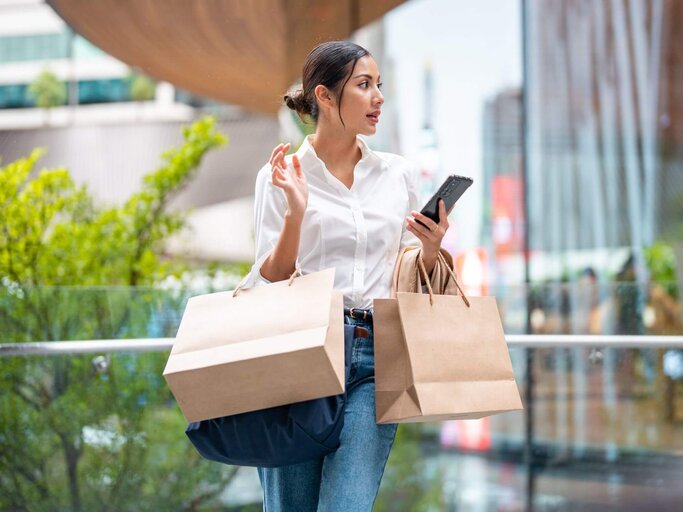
37	47
34	47
103	91
14	96
89	91
50	47
605	162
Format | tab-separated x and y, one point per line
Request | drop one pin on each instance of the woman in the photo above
336	203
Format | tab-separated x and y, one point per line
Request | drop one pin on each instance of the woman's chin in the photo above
368	130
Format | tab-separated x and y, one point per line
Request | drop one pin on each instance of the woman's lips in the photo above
373	119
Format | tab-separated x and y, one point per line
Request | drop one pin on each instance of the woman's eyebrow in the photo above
366	75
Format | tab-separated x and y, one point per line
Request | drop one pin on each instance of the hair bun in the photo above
289	101
295	100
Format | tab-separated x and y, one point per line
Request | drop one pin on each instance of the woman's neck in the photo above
339	152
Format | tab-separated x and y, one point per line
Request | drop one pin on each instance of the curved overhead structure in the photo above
244	52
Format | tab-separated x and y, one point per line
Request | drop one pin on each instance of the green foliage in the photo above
661	263
94	432
51	233
405	487
47	90
306	125
142	88
672	225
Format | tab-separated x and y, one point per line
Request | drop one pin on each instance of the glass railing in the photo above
602	428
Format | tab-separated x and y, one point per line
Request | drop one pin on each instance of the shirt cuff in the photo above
254	278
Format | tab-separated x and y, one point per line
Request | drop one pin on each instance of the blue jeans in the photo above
348	479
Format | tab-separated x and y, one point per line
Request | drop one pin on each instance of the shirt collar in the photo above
307	156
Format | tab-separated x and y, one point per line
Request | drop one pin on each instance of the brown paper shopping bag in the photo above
440	357
261	347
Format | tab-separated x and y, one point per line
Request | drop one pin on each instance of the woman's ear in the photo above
324	96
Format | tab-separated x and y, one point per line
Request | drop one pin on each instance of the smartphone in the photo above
450	191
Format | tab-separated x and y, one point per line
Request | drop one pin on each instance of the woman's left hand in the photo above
432	235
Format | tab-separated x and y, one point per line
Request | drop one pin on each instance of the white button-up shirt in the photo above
358	231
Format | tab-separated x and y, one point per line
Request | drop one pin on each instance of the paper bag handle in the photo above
455	280
423	270
297	272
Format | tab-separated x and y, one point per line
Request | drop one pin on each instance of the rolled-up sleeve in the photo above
411	177
270	206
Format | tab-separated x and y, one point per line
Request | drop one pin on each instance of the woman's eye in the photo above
366	83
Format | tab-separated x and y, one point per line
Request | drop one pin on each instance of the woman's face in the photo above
362	99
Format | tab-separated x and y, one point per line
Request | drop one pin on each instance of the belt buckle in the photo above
353	315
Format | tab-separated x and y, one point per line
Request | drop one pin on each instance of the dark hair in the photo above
327	64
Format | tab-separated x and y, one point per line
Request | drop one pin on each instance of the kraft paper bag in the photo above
265	346
441	357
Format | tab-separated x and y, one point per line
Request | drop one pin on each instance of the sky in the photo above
475	51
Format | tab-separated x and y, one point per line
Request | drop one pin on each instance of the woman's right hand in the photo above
291	179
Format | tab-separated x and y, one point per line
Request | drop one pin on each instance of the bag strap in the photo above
455	280
297	272
422	272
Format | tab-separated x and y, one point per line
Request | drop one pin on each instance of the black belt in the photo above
359	314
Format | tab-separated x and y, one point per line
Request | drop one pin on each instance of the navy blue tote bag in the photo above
277	436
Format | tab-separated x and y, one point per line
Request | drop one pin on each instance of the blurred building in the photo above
604	137
429	161
503	223
108	141
33	38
